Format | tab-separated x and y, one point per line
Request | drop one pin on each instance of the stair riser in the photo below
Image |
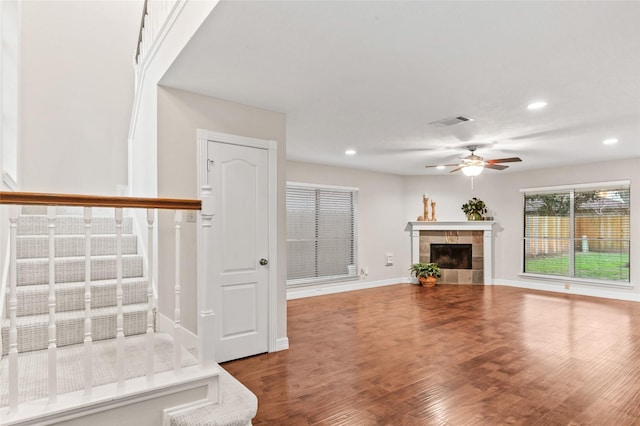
70	298
68	246
36	271
39	225
68	210
70	332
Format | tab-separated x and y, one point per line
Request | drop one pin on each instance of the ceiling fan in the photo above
472	165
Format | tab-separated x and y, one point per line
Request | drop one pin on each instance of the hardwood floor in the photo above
451	355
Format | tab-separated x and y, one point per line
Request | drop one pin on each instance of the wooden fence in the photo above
547	235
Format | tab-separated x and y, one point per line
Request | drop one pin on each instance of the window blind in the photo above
321	234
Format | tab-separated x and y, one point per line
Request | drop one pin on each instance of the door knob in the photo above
264	261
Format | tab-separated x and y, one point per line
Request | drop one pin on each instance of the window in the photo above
321	233
580	232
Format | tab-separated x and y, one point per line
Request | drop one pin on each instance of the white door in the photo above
239	176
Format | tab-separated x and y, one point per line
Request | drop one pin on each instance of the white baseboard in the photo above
558	288
282	344
299	293
165	325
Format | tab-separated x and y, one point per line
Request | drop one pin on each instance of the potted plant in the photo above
474	209
427	273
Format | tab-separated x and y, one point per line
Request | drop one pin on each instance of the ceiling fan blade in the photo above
456	169
495	166
504	160
443	165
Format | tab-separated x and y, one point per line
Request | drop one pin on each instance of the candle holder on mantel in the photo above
425	205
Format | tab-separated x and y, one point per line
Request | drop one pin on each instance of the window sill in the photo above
329	280
593	283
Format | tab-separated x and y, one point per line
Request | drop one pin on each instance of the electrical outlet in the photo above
191	216
389	259
364	271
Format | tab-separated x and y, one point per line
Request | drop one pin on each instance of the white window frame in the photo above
571	189
353	274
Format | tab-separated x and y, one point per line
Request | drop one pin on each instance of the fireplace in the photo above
455	236
451	256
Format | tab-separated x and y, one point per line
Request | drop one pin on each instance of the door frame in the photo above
205	306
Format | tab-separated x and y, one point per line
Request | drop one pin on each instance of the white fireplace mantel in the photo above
478	225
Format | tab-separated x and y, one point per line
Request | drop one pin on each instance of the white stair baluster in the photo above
177	334
150	328
13	308
88	358
119	295
52	347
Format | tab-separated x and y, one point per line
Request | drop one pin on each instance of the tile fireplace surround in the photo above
477	233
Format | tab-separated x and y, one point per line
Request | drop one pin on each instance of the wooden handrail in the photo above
144	13
41	199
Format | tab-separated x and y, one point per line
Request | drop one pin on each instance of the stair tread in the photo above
239	405
71	225
75	258
74	315
65	215
79	284
61	236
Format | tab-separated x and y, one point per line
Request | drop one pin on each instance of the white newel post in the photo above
13	308
150	344
206	321
88	373
52	347
177	332
119	295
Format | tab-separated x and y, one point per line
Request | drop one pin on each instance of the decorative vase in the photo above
474	216
427	281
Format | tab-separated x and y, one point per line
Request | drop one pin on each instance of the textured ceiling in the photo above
372	75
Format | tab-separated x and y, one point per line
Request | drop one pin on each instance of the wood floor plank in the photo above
451	355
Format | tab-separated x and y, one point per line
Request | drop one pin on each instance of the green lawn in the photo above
602	266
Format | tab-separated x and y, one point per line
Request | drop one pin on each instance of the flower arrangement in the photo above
474	209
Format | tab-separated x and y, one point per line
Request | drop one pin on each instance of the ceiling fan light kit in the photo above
473	170
472	165
537	105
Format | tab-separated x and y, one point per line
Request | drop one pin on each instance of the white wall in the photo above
387	202
501	192
180	114
184	20
381	218
76	94
10	12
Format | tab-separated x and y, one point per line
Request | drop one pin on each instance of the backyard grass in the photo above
593	265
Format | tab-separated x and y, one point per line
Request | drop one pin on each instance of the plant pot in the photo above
427	281
474	216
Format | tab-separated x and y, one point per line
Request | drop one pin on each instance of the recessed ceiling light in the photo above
350	152
440	167
536	105
610	141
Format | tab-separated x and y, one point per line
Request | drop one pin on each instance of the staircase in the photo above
83	373
32	271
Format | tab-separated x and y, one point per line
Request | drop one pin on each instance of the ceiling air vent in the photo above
450	121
